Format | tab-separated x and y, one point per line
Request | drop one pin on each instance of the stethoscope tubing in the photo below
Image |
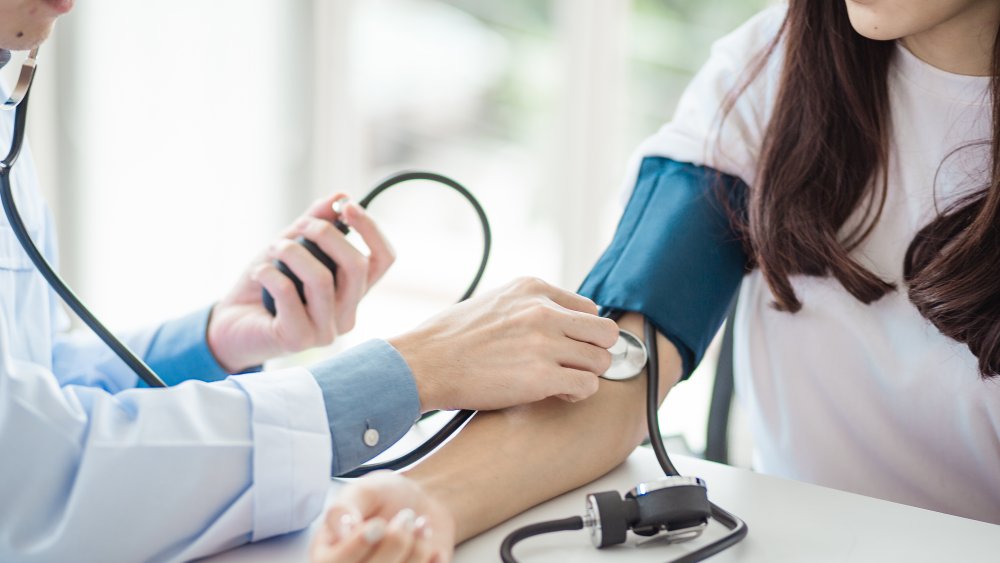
737	527
462	416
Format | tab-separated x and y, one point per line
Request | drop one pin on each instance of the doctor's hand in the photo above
242	333
521	343
384	518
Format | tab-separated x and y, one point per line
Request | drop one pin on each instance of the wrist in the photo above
216	344
412	347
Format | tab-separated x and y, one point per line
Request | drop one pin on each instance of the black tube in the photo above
564	525
653	400
462	417
417	454
738	528
409	175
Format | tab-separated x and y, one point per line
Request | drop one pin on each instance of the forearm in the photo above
513	459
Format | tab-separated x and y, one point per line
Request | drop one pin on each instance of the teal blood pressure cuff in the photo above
675	257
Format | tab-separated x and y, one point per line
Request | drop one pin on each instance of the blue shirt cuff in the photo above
371	401
179	350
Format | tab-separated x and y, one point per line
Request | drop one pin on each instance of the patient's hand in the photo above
384	517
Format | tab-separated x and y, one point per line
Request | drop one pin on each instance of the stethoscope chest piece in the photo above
628	357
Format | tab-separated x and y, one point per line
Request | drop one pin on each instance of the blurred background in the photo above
176	138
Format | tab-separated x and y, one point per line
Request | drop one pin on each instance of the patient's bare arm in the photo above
507	461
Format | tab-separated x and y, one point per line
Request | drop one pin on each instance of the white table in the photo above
789	522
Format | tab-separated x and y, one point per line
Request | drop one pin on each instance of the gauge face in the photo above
628	357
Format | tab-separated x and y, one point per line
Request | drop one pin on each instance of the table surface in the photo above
788	521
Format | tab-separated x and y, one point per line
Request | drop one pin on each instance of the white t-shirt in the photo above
866	398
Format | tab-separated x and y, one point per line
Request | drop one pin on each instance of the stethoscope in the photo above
676	507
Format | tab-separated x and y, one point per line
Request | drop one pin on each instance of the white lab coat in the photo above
92	469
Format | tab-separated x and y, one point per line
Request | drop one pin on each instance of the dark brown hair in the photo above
824	158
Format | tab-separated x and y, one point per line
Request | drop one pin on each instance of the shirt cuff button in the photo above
370	437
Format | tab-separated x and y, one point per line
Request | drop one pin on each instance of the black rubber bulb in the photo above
284	269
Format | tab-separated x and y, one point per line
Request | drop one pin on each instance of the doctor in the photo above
93	467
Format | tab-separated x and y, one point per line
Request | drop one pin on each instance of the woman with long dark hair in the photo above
868	327
856	147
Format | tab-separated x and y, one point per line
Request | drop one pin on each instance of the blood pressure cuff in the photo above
675	257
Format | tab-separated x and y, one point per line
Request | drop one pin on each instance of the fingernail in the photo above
405	519
421	527
347	524
338	205
374	531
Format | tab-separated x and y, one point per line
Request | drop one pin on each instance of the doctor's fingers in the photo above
561	297
322	208
291	324
570	384
382	254
599	331
580	355
352	267
318	285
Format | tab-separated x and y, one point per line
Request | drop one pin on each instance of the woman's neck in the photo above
963	44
